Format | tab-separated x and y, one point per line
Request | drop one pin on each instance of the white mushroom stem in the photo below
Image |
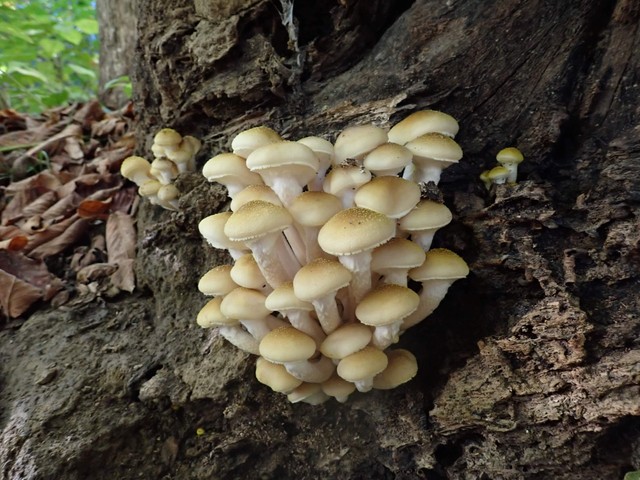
285	187
327	312
424	173
313	371
297	244
359	264
384	336
259	328
239	337
275	259
310	238
301	320
364	385
397	276
424	238
432	293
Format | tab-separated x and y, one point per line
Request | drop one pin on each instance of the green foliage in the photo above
49	53
632	475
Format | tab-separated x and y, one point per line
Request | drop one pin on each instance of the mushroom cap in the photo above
357	141
287	344
313	209
149	188
244	304
363	364
320	277
337	387
283	299
181	153
345	340
435	146
355	230
169	192
163	168
254	192
391	196
133	166
498	173
289	159
256	219
387	159
321	147
217	281
402	367
229	167
212	229
247	141
342	178
397	253
211	315
167	137
387	304
246	273
440	264
419	123
427	214
275	376
509	156
309	393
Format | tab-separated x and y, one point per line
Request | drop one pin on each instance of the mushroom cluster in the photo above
507	169
173	154
325	240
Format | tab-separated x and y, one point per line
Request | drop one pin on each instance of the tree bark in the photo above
530	368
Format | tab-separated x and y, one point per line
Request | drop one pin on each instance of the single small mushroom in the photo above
183	154
275	376
361	367
355	142
422	122
164	170
211	316
245	272
387	159
510	158
384	308
351	235
484	178
212	229
324	151
248	307
338	388
259	225
149	190
345	340
165	138
168	196
394	259
317	282
441	268
402	367
136	169
217	281
254	192
344	180
391	196
432	153
424	221
231	171
247	141
498	175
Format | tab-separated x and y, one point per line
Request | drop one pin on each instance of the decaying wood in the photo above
529	369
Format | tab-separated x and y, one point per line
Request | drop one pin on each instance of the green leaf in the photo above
87	25
69	34
26	71
51	47
56	98
81	70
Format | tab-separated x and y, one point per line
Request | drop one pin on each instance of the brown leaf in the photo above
23	281
121	249
93	209
69	236
14	244
95	271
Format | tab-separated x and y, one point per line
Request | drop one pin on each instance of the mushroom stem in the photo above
259	328
275	259
327	311
432	293
240	338
359	264
364	385
301	320
313	371
386	335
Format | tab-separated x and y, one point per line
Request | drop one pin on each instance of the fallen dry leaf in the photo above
121	249
69	236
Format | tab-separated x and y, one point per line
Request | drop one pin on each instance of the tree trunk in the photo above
530	369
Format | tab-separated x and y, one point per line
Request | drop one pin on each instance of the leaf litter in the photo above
67	232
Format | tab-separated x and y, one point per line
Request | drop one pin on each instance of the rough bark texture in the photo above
530	369
118	34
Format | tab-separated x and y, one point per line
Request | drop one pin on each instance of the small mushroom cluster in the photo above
507	169
173	154
325	240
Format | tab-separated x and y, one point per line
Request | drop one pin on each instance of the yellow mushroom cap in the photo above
287	344
244	304
427	214
283	298
344	178
313	209
229	167
338	387
440	264
217	281
357	141
422	122
391	196
256	219
509	156
247	141
355	230
386	304
288	159
499	173
397	253
275	376
212	229
254	192
345	340
363	364
246	273
387	159
167	137
435	146
320	277
211	315
402	367
136	169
